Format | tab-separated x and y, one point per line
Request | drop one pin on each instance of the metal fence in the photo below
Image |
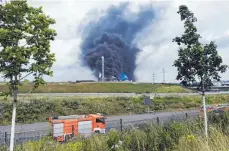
36	135
22	137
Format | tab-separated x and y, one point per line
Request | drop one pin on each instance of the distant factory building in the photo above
225	83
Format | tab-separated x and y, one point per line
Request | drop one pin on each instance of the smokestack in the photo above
102	68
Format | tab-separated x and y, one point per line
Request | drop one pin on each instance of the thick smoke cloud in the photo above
112	36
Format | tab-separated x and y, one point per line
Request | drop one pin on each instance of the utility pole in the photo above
154	78
102	68
204	84
204	107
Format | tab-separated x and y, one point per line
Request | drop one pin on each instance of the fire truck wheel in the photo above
67	137
97	131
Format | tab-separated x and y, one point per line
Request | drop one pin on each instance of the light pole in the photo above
204	84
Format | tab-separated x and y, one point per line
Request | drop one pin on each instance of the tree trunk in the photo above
13	119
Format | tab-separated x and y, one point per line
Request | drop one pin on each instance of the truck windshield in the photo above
100	120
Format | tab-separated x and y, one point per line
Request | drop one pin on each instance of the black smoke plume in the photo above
112	36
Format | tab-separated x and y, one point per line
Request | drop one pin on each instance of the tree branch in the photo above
25	76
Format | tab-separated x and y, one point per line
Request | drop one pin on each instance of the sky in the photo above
158	50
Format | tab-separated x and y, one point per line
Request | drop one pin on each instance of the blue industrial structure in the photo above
123	77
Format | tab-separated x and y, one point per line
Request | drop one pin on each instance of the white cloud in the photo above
68	15
158	50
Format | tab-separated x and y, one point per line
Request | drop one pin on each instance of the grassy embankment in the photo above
172	136
100	88
37	109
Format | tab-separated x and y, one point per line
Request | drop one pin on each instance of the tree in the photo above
195	60
25	36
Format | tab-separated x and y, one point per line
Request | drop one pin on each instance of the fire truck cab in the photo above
65	127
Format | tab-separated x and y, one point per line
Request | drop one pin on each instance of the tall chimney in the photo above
102	68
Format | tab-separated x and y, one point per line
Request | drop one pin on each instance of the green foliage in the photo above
215	142
26	81
221	120
37	109
25	42
171	136
101	88
113	138
195	59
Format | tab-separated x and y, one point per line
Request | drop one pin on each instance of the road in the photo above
111	121
36	131
117	94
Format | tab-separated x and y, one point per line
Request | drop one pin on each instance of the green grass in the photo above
37	109
101	88
171	136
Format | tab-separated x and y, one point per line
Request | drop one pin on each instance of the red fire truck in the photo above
66	127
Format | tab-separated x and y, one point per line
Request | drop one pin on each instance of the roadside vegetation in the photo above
100	88
37	109
172	136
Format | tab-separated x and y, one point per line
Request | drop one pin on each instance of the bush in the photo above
172	136
217	141
38	109
220	120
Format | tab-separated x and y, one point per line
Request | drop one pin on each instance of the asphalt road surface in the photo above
112	121
117	94
36	131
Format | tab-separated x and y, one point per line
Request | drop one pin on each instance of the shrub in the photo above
171	136
37	109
